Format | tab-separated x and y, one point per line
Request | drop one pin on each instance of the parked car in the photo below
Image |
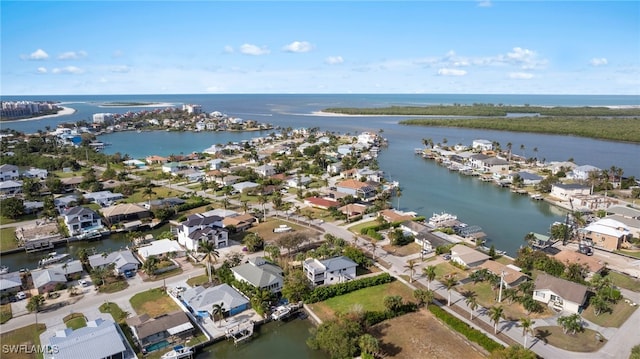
83	283
21	295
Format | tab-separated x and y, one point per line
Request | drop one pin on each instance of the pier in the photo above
240	333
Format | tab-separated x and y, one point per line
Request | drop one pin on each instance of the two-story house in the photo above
80	220
199	228
261	274
329	271
9	172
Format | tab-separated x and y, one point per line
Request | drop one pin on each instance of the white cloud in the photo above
72	55
229	49
525	58
117	53
67	70
520	75
334	60
298	46
39	54
484	3
598	61
249	49
451	72
120	69
42	70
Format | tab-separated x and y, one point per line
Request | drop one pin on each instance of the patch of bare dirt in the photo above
421	335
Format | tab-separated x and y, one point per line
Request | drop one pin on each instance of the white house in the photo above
103	198
566	191
482	145
10	187
266	170
80	220
9	172
200	227
467	256
582	172
159	248
124	261
329	271
334	168
36	173
559	293
261	274
98	339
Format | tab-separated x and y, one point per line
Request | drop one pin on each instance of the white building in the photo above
202	228
559	293
103	118
329	271
261	274
482	145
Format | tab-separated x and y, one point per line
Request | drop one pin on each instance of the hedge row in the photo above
191	205
463	328
323	293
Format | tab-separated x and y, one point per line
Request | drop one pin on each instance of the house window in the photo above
540	294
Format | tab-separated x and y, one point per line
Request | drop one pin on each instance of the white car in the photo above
21	295
83	283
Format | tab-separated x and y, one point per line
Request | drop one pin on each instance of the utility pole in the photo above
500	293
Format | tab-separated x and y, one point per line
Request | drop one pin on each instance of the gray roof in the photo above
529	176
259	273
10	184
99	339
629	222
71	267
146	326
120	258
568	290
199	219
10	280
338	263
624	211
43	277
203	299
8	167
80	211
570	186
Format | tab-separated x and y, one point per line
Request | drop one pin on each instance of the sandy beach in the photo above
64	112
157	104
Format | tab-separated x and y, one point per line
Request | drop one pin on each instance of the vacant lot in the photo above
29	335
584	342
265	229
619	314
153	302
420	335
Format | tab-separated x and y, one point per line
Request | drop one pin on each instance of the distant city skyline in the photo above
199	47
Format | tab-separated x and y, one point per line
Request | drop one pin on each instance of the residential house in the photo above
467	256
124	262
261	274
321	203
155	160
161	247
559	293
10	188
628	216
329	271
80	220
200	227
72	269
344	150
216	164
124	212
334	168
65	202
482	145
171	328
563	166
393	216
171	202
36	173
70	184
97	340
357	189
10	283
592	264
172	167
46	280
528	178
606	233
511	275
200	300
298	181
246	186
266	170
240	222
582	172
103	198
9	172
564	191
353	209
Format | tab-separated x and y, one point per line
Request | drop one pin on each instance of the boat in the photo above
4	269
281	312
442	218
52	257
178	352
536	196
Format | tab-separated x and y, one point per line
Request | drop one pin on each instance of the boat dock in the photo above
241	332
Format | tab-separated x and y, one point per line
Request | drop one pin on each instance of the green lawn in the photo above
26	217
199	280
116	312
584	342
75	321
153	302
160	192
5	313
356	228
630	253
8	239
621	311
445	268
624	281
29	335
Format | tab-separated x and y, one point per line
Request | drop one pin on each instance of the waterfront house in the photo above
581	173
70	184
261	274
38	173
65	202
329	271
511	275
71	269
266	170
10	283
136	164
152	160
98	339
162	331
200	300
172	167
559	293
482	145
592	264
353	209
528	178
429	241
161	247
629	217
202	227
9	172
321	203
467	256
495	165
606	233
565	191
103	198
46	280
10	188
124	262
80	220
357	189
393	216
562	166
124	212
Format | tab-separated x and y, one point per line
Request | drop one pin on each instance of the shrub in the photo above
463	328
323	293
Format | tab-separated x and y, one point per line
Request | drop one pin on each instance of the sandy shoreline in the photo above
157	104
64	112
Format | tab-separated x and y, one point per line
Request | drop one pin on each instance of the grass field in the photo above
445	269
8	239
116	312
75	321
621	311
153	302
159	192
624	281
29	335
487	297
584	342
265	229
26	217
5	313
402	251
370	299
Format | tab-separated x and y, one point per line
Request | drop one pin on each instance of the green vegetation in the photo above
75	321
463	328
370	298
624	281
8	239
112	308
583	342
615	317
614	129
5	313
323	293
153	302
199	280
29	335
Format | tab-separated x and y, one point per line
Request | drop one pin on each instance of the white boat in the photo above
178	352
52	257
4	269
438	219
281	312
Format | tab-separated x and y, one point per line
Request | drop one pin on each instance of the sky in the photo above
192	47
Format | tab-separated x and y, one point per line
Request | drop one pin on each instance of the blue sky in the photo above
167	47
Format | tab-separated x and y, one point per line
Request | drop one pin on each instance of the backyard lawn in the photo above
621	311
402	251
584	342
29	335
153	302
370	299
8	239
265	229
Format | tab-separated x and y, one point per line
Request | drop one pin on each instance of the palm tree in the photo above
411	266
150	265
495	314
398	195
471	298
509	146
261	300
527	328
211	256
423	296
148	191
35	304
449	283
368	344
430	273
218	310
263	200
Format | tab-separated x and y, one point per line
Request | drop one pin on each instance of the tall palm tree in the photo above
263	200
211	256
218	310
398	195
430	273
509	146
150	266
411	267
148	192
471	298
527	328
449	283
373	246
495	314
